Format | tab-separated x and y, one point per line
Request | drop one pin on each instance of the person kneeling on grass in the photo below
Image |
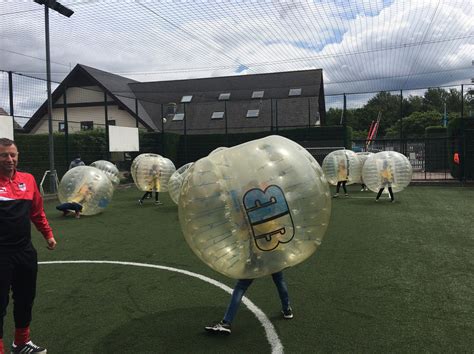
68	208
224	326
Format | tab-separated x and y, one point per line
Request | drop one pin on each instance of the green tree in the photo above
414	125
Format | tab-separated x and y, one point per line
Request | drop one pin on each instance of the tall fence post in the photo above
401	122
10	92
462	101
344	119
66	126
106	116
162	130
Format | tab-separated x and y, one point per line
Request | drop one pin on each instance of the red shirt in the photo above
20	202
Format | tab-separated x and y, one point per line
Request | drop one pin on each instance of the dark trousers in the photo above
149	194
69	207
343	184
18	272
389	192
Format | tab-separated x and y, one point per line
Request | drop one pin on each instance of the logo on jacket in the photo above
3	189
22	186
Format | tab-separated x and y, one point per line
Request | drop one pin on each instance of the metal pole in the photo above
462	101
185	136
401	121
106	116
10	91
276	116
225	121
344	120
136	111
50	104
162	131
66	126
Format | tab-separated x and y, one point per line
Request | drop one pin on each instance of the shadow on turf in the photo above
182	331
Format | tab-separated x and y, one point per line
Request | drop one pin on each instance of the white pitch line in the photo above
270	332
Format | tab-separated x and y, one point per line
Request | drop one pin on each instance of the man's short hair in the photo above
6	142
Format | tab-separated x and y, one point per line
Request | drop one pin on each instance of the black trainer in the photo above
220	327
29	347
287	314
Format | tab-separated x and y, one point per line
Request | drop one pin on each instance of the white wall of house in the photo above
76	115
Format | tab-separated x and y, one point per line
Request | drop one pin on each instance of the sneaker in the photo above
29	347
287	314
220	327
392	201
140	201
346	195
158	202
78	215
335	195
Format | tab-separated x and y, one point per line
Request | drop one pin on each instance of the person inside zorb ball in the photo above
152	172
388	170
256	208
87	186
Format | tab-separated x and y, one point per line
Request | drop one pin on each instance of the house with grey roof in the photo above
89	98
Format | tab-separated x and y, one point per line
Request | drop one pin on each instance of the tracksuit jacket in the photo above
20	202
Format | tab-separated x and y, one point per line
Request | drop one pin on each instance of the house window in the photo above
224	96
178	116
61	127
253	113
217	115
87	125
258	94
294	92
186	99
112	122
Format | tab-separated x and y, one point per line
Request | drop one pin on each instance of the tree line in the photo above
418	112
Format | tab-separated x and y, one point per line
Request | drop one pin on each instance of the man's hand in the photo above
51	243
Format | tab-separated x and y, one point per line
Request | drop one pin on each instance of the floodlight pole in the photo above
52	169
68	13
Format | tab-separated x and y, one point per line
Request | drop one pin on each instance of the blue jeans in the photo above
242	286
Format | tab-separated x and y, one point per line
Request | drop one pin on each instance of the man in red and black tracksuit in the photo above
20	202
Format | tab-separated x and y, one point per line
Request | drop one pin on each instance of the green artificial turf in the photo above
388	277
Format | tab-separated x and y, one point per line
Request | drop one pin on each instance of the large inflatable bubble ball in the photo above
109	169
342	165
363	156
87	186
255	208
176	181
152	172
387	169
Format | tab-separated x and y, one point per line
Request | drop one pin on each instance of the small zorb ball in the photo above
176	181
110	170
342	165
152	172
87	186
387	169
255	208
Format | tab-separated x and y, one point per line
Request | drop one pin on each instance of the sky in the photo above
362	46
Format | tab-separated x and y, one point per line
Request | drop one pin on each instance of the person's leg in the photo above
379	193
239	291
24	291
140	201
344	187
6	272
338	186
391	194
282	290
157	200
